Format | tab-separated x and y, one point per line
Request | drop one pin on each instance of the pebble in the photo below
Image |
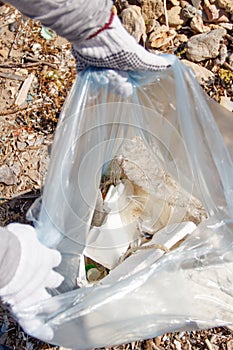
7	175
227	5
204	46
196	3
211	10
175	17
152	9
227	26
222	54
189	11
202	74
161	36
197	25
13	26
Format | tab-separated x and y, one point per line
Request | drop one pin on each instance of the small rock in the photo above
211	10
36	48
34	175
213	14
189	11
151	25
177	344
204	46
175	2
157	340
227	5
152	9
223	17
184	3
197	25
222	54
134	23
202	74
15	168
196	3
13	26
175	18
7	175
230	345
21	145
230	59
187	345
161	36
4	53
227	26
180	38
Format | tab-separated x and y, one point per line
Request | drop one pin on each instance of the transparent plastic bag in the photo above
189	287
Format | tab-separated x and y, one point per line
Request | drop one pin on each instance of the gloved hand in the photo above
113	47
33	275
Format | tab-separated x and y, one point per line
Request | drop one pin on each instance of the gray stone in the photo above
202	74
189	11
204	46
7	176
196	3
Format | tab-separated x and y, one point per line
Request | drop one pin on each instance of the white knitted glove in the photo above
33	275
113	47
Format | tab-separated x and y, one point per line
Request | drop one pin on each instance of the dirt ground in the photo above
36	73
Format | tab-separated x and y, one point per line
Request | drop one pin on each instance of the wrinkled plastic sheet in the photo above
188	288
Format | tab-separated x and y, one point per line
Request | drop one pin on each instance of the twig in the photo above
6	24
13	110
18	65
228	66
34	59
35	62
12	76
22	195
208	344
15	39
229	37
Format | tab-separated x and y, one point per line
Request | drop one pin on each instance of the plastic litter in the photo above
47	33
170	266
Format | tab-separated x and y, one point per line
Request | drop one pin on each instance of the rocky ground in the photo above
36	73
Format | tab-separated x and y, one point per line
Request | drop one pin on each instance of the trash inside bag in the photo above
138	199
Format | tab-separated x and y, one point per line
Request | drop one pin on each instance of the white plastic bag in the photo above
190	287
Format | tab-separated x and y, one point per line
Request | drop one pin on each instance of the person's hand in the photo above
33	275
113	47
